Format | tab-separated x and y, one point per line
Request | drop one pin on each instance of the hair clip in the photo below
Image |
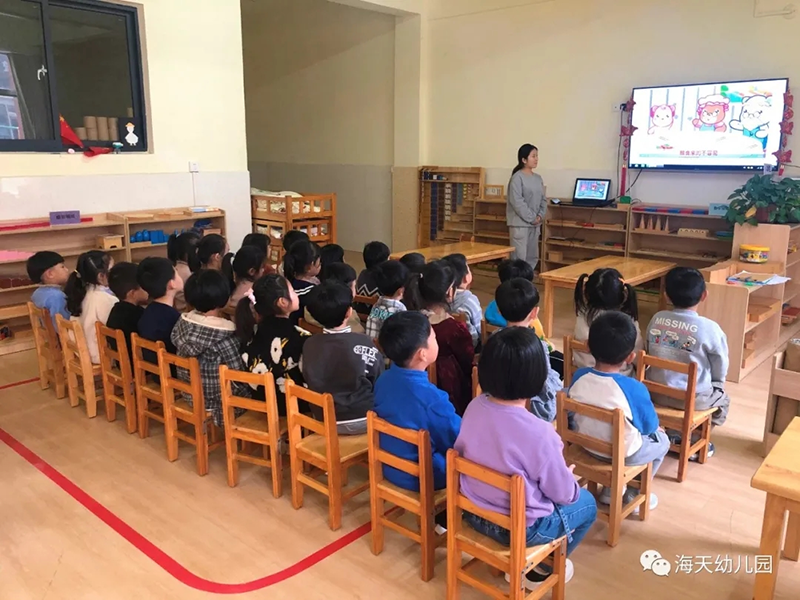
249	294
78	275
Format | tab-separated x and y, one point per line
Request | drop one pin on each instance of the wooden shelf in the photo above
140	245
676	215
679	237
65	252
99	221
13	311
19	288
491	200
22	340
792	259
603	208
791	290
694	257
493	235
600	227
584	245
493	218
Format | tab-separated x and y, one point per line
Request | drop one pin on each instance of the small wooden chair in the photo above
48	352
476	387
466	237
516	560
177	409
425	504
312	329
78	364
260	425
147	391
487	329
461	317
116	373
323	449
593	471
432	376
685	420
360	301
571	345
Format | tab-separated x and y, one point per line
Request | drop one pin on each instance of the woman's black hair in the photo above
522	154
430	287
299	258
513	364
183	247
604	290
87	271
267	290
207	290
247	259
208	246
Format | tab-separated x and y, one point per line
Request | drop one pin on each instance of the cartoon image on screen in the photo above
591	189
709	126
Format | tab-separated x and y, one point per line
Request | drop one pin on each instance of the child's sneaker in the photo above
604	497
634	492
696	456
536	576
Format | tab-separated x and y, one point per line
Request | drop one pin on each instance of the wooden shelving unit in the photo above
70	241
657	234
314	215
573	234
751	316
447	201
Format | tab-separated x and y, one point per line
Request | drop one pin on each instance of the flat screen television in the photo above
732	126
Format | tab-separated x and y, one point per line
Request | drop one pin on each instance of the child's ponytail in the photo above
87	271
227	269
580	294
630	305
299	259
432	286
411	296
183	247
266	293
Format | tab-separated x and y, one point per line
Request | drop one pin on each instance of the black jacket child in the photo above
345	365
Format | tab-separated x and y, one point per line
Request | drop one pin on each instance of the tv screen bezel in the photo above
701	168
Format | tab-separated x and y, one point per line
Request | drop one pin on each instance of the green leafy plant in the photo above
765	199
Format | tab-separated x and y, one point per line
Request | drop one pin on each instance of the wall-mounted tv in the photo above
731	126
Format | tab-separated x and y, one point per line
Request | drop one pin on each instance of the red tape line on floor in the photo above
16	383
158	556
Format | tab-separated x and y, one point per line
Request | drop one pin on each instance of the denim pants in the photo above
572	520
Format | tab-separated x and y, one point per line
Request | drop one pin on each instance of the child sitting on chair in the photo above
406	398
683	336
206	335
464	300
301	266
612	338
518	302
163	283
47	269
126	313
340	362
602	291
498	432
391	278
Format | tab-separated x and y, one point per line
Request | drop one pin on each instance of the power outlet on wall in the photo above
618	107
194	167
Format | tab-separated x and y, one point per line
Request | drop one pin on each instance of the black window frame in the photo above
131	16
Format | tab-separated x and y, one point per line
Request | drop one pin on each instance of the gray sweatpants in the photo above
526	243
654	448
716	397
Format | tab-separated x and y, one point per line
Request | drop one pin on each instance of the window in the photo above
78	60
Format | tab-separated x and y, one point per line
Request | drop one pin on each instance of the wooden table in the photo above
634	271
779	476
474	251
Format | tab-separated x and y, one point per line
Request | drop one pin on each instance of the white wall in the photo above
319	90
195	100
548	73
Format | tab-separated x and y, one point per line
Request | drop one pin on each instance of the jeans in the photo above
526	243
572	520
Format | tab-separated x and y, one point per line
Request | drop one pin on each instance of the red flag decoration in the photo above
783	156
70	138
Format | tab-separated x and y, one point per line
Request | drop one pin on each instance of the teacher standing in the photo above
526	205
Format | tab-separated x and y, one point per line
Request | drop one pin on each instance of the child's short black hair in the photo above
390	277
259	240
122	278
458	262
292	236
685	287
514	267
154	274
516	298
330	254
414	261
329	303
207	290
403	334
41	262
513	364
375	253
299	259
612	337
338	271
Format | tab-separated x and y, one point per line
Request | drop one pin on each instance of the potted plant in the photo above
765	199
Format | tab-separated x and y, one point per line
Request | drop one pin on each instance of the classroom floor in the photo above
90	512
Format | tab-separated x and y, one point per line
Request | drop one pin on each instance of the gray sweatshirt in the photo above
526	200
683	336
